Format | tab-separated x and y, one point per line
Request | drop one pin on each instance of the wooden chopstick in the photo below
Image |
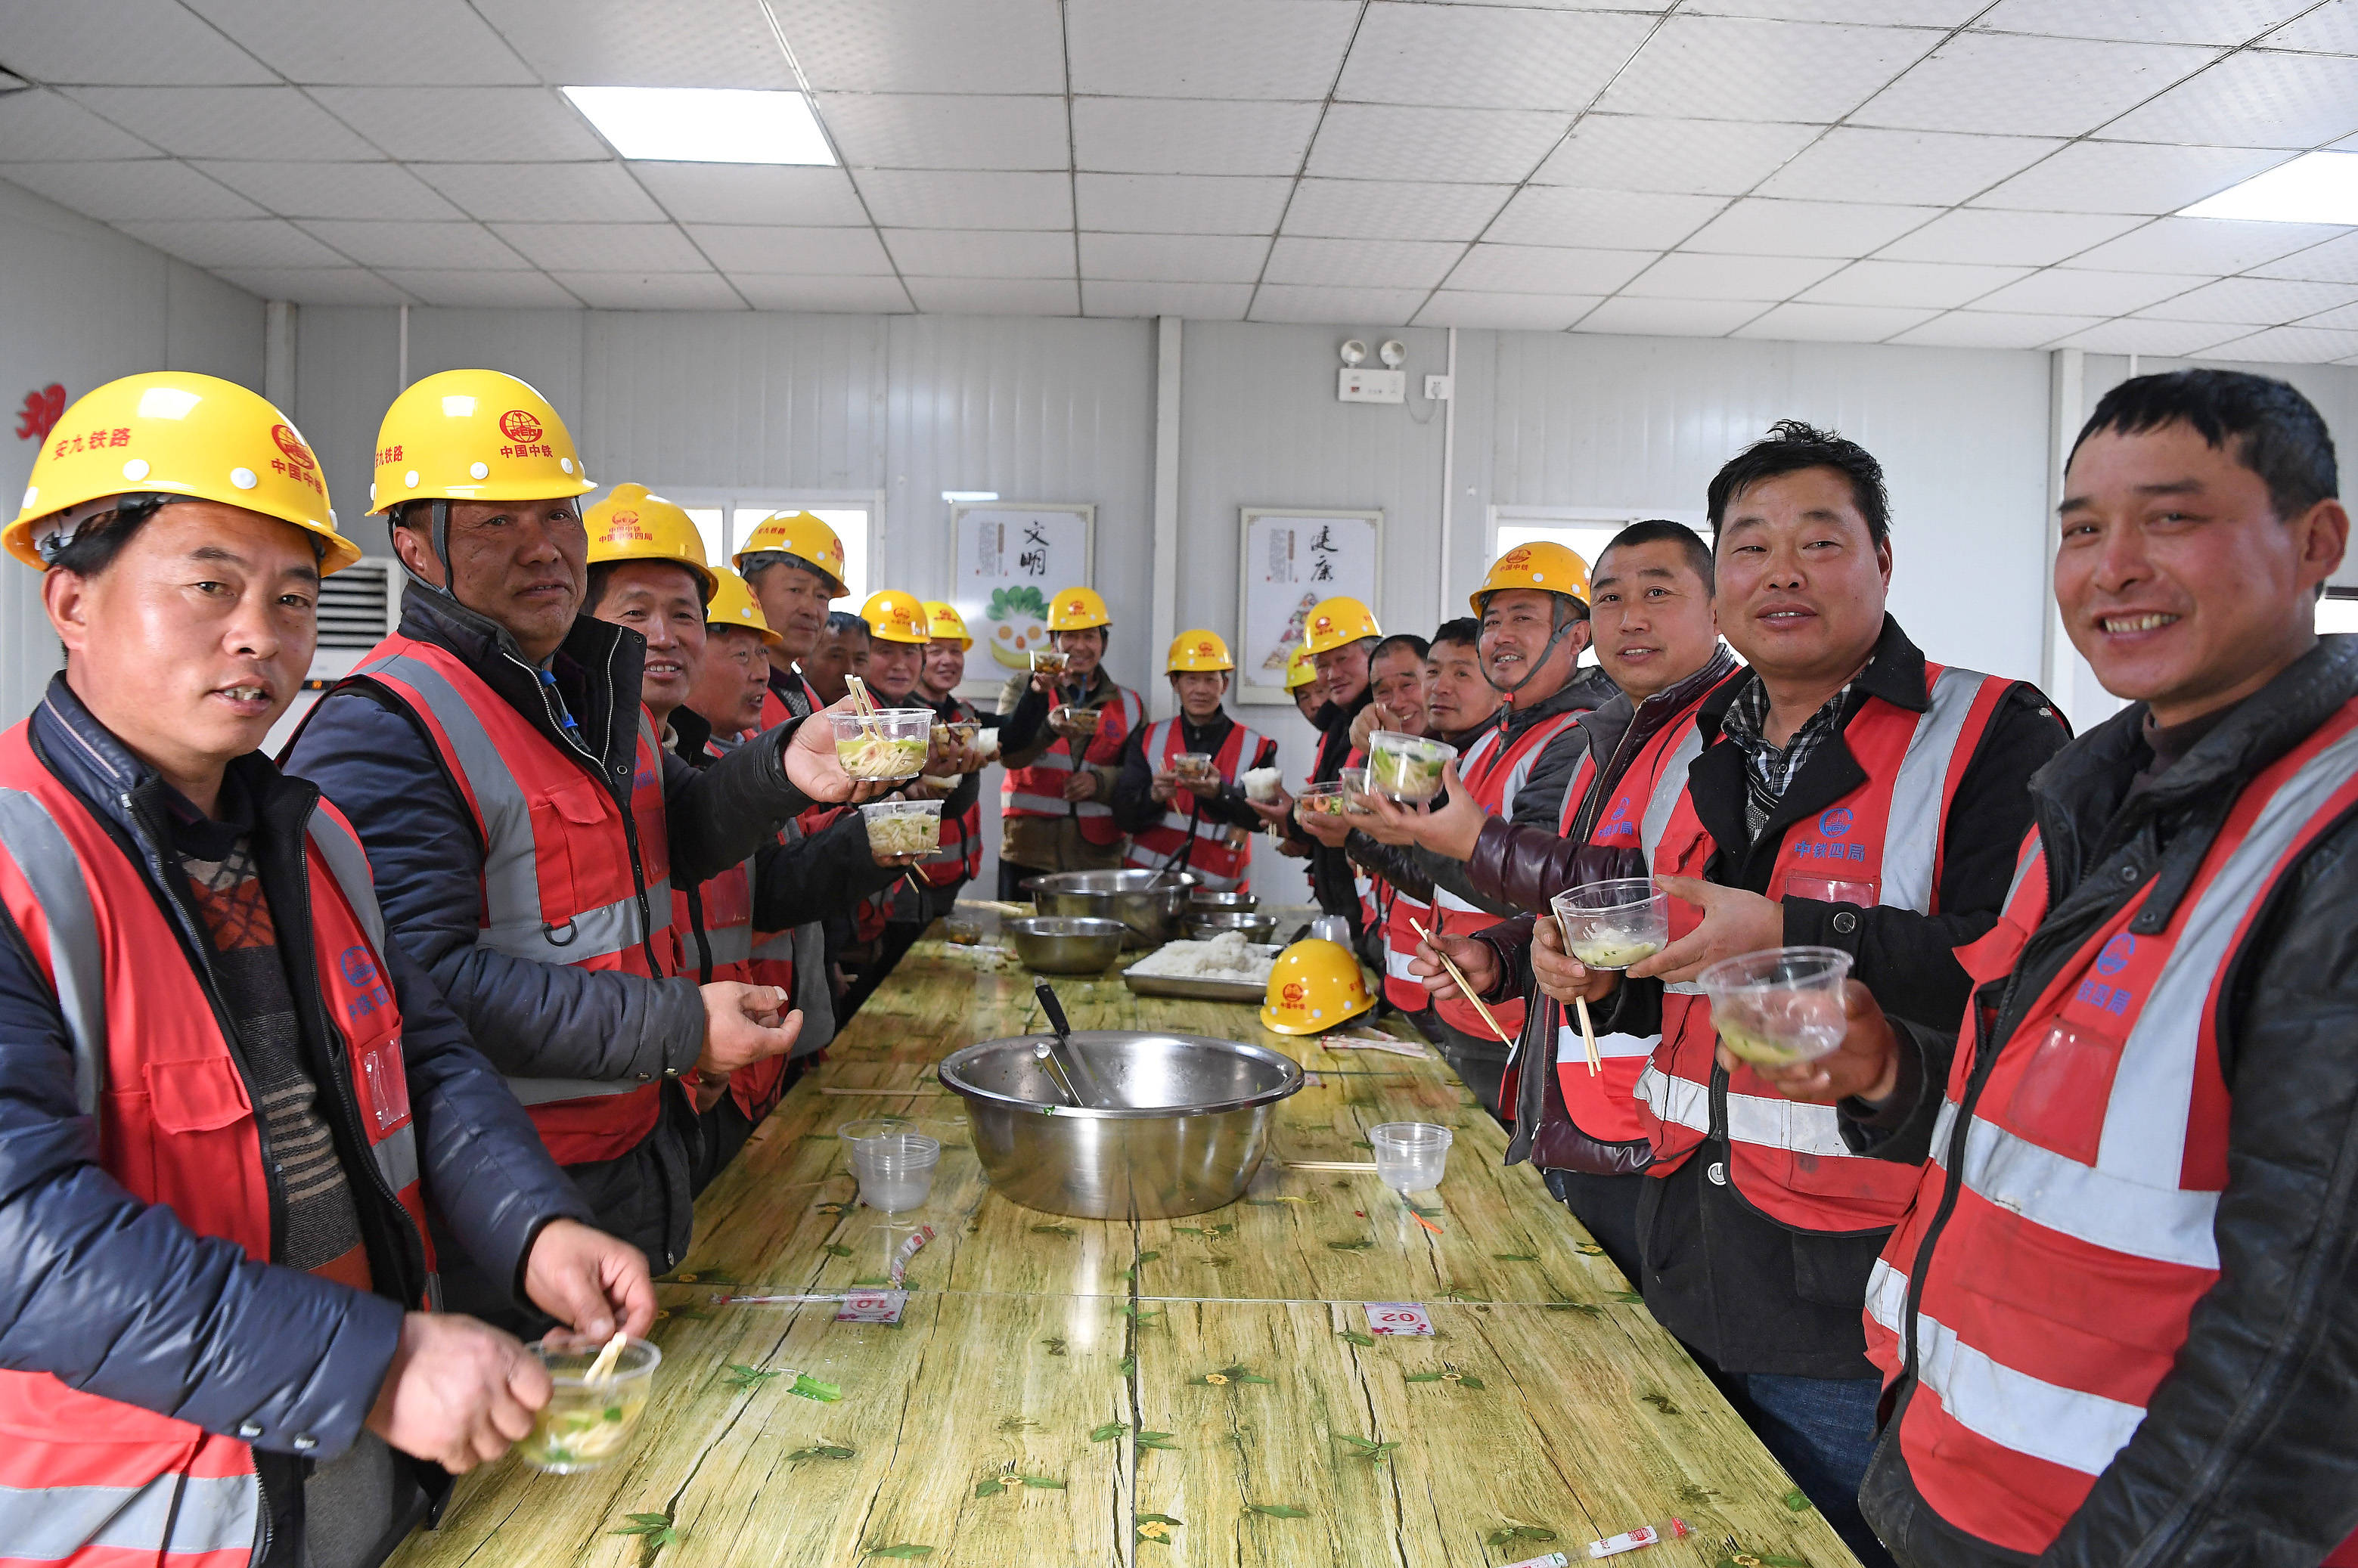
1463	984
1588	1037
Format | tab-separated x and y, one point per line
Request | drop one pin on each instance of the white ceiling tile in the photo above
1757	226
1383	141
137	42
148	187
2330	29
1545	269
38	123
466	125
2345	319
2131	336
1163	135
2335	261
926	45
2255	301
996	296
650	290
1612	219
1392	209
1193	301
238	241
437	247
679	43
1172	258
2255	99
1337	306
2202	245
1935	284
2175	21
855	295
2007	239
316	41
1634	152
1483	56
1506	312
1681	275
543	193
1208	48
604	247
751	193
381	191
2288	345
1876	13
1724	67
2053	87
1179	203
968	198
740	249
1856	164
314	285
955	253
1993	329
2127	177
1362	263
1670	318
226	121
1833	323
900	130
503	290
2070	291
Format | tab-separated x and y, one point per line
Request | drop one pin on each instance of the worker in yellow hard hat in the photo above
1061	731
794	563
1314	986
229	1098
735	681
647	572
1181	794
1338	634
520	813
1301	682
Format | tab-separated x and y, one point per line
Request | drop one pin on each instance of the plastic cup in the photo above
1778	1006
1194	768
1047	662
900	828
1355	788
891	744
1084	719
1613	924
1321	800
895	1169
874	1127
1411	1155
1406	767
585	1424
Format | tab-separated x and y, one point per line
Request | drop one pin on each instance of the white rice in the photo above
1261	785
1227	957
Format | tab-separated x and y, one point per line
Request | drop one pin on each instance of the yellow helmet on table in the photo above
1197	650
173	433
806	538
473	435
944	621
1315	985
632	524
732	605
896	617
1301	669
1338	622
1542	566
1078	610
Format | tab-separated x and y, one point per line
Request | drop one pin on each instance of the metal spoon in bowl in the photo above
1077	1070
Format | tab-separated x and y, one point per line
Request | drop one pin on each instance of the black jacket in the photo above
2248	1451
1135	809
1331	883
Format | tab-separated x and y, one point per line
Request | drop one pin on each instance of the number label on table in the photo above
1397	1317
874	1306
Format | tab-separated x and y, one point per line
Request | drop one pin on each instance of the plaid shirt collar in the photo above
1769	770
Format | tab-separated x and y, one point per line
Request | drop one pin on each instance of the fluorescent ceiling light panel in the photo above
2315	188
955	496
704	124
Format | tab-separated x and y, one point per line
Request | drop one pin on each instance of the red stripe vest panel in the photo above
561	882
1493	771
91	1481
2056	1297
1222	867
1037	789
717	941
960	857
1879	845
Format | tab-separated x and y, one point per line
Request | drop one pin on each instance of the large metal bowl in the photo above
1203	901
1149	906
1204	923
1065	944
1188	1128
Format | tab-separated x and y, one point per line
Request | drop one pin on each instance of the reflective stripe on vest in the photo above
1223	868
1494	771
174	1518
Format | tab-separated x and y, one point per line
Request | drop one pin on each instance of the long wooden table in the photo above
1197	1391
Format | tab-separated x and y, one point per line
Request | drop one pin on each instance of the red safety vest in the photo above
1494	770
86	1480
1038	788
2056	1296
561	884
774	710
1880	844
1223	868
959	858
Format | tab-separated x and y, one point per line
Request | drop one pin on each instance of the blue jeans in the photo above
1822	1431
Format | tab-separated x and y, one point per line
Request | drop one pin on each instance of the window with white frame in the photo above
727	518
2337	610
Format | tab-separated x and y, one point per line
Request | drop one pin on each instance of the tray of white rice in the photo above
1225	969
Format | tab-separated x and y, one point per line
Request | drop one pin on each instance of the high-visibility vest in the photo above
1394	916
1223	866
1879	845
1037	789
714	931
569	878
959	858
776	709
85	1479
2089	1157
1494	770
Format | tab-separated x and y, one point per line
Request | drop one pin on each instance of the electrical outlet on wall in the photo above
1439	388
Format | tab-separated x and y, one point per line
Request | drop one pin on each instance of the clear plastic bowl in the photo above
903	827
895	1169
1084	719
891	744
1411	1155
1194	766
1406	767
1355	785
1781	1005
1613	924
585	1424
1048	661
874	1127
1323	799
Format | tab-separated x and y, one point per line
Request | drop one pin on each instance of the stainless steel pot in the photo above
1203	901
1065	944
1149	906
1205	923
1189	1126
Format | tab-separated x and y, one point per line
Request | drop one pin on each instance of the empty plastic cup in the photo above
1411	1155
1613	924
1781	1005
895	1169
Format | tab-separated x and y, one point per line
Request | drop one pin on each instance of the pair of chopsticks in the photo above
1588	1031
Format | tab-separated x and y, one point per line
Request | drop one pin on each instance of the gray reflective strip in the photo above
1675	1101
1667	790
1682	988
1570	1047
1445	899
1521	771
349	864
1911	844
397	1156
594	934
777	945
171	1515
1039	804
731	944
1763	1120
2033	852
77	968
547	1091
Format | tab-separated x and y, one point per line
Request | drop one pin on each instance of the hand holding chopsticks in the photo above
1464	984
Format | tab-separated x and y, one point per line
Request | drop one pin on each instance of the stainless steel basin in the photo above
1149	906
1203	923
1188	1129
1065	944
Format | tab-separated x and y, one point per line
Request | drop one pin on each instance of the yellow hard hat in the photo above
1078	610
732	605
1197	650
1335	622
806	538
1301	669
945	622
896	617
1542	565
1314	986
177	433
473	435
632	526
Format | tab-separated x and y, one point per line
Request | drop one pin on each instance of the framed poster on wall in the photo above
1290	558
1006	559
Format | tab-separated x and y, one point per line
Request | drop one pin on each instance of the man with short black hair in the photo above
1459	698
841	651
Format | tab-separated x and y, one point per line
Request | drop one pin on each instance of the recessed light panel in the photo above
2316	188
704	124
